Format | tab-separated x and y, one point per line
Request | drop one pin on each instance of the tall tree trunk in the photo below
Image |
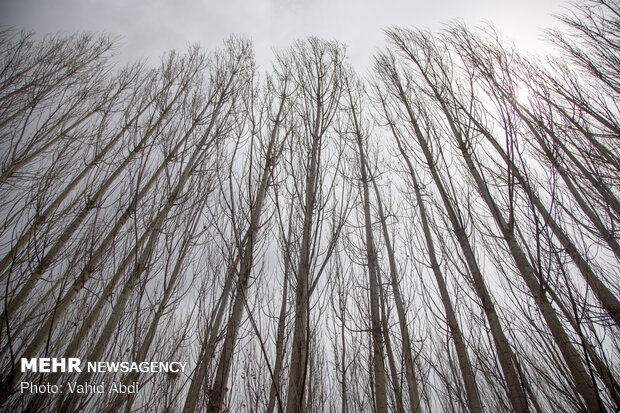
582	380
374	283
145	345
467	373
209	342
605	296
275	394
219	388
504	352
394	374
299	346
93	202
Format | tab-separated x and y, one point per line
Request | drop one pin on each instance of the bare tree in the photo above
371	259
443	236
316	71
401	41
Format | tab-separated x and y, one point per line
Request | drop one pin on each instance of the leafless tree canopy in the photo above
442	234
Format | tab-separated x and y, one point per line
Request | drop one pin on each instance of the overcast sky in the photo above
151	27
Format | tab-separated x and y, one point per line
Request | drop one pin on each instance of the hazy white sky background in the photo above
150	28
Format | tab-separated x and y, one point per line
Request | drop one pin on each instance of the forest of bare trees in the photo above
441	233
